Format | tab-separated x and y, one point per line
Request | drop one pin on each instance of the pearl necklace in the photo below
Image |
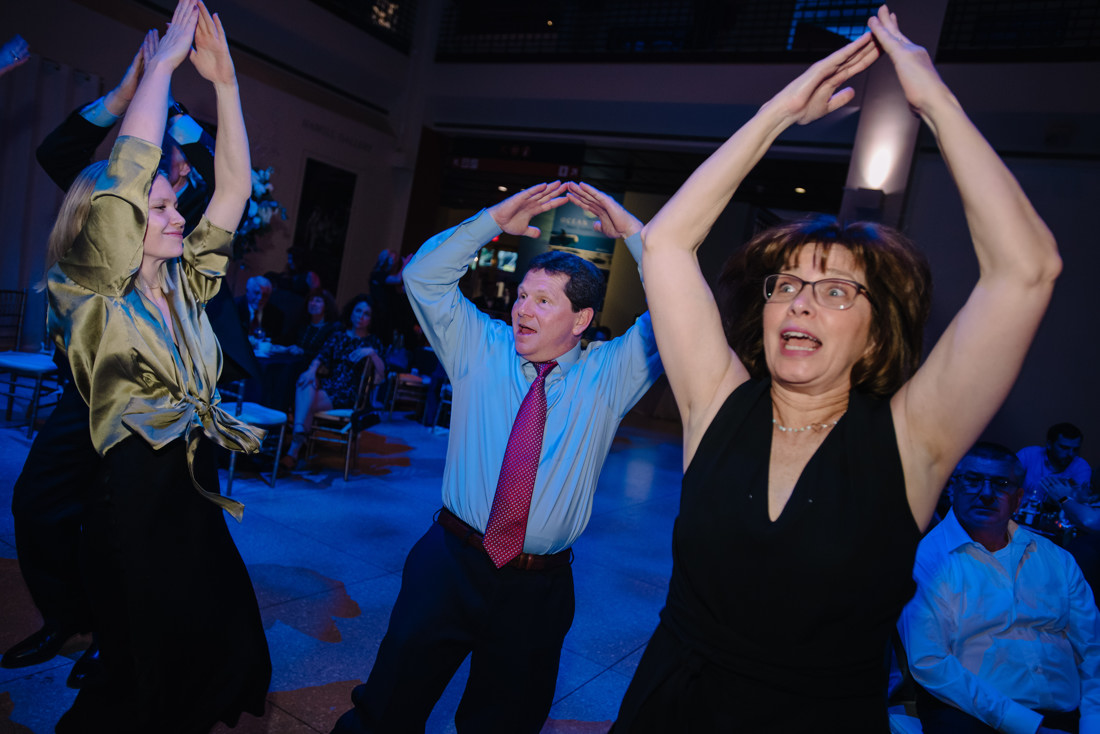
812	426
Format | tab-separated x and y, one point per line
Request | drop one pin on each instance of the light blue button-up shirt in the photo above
587	394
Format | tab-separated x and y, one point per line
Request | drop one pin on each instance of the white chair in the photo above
262	417
32	376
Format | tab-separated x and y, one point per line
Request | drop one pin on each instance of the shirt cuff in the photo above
634	244
98	114
185	130
482	227
1020	719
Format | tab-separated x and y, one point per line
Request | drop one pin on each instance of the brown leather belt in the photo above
524	561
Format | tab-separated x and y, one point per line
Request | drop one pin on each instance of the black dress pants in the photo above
47	501
453	603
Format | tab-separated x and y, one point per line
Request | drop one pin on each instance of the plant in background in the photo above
262	208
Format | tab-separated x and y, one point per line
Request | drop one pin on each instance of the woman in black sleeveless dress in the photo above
814	449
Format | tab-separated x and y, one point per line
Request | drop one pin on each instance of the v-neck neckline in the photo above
797	491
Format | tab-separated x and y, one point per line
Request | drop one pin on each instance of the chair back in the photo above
12	307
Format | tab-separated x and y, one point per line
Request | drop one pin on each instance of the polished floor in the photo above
325	557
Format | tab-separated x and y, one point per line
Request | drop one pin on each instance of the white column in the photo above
887	133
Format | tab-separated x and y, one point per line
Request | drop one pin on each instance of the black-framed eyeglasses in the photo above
835	293
973	482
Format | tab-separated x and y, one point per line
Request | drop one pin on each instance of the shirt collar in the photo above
955	537
565	362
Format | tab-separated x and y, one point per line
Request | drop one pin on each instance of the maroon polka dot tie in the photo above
512	501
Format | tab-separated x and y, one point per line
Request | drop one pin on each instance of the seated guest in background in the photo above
320	323
1056	464
343	356
258	319
1059	485
13	53
292	289
1003	631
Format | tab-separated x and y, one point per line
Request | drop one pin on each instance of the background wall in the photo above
1058	378
314	87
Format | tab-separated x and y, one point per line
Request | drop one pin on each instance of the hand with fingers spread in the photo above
615	221
210	56
918	77
513	215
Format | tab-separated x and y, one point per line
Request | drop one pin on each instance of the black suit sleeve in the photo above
200	155
69	149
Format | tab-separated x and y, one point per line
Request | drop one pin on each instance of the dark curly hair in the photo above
330	313
898	281
586	287
345	315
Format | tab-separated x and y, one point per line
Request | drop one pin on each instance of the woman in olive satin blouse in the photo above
176	619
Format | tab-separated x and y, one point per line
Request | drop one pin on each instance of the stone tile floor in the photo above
325	557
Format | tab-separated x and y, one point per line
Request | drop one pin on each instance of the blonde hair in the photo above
71	217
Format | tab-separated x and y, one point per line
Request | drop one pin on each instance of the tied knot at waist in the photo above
191	417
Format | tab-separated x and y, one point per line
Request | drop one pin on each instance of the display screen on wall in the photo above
569	228
323	214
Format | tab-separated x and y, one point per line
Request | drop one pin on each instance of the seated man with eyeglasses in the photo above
1003	631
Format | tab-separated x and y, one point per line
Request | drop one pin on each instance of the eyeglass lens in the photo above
974	482
830	292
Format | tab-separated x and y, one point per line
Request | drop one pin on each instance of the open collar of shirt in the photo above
565	363
955	537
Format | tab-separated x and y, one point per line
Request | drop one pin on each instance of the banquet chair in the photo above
343	425
261	417
408	388
32	376
446	393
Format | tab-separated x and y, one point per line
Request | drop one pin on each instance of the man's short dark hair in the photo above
586	286
998	452
1067	431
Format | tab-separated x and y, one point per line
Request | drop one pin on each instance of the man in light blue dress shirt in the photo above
453	599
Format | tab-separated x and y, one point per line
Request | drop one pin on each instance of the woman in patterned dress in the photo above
343	356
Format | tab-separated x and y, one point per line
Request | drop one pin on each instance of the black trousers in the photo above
47	501
453	603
